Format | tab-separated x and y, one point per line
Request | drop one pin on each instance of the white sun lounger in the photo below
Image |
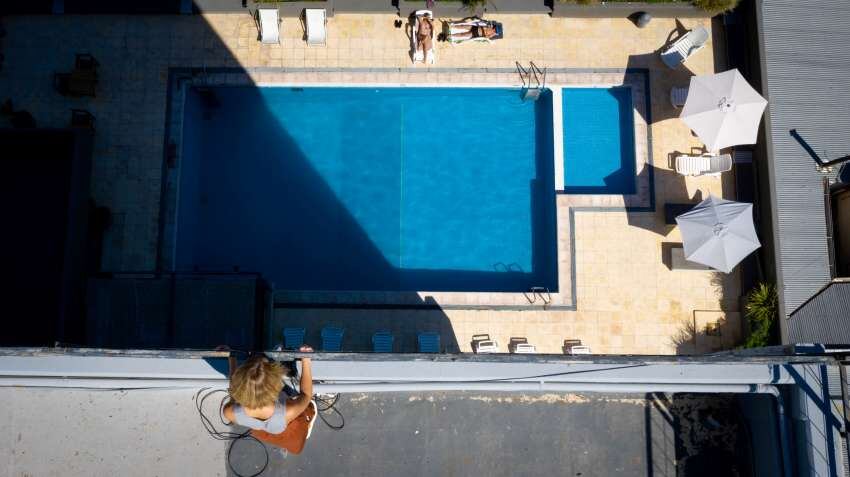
316	21
486	346
703	164
269	20
580	350
684	47
418	56
524	348
678	96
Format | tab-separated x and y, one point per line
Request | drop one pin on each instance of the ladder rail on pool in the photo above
530	91
538	292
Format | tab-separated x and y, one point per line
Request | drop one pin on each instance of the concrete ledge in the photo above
459	10
623	10
342	368
456	9
295	9
287	9
441	9
364	6
518	6
220	6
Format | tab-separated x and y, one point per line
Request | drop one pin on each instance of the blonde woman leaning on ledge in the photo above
259	402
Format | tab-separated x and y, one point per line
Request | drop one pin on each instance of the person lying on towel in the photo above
259	402
426	28
468	33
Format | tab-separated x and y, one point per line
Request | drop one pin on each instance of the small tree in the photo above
761	310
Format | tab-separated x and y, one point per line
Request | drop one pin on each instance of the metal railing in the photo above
533	80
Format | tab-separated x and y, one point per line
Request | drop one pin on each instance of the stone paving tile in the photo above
628	300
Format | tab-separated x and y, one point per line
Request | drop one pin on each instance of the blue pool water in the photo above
599	141
390	189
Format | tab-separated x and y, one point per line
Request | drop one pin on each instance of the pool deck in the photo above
627	301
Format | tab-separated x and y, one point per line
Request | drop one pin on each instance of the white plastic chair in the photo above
524	348
678	96
579	350
486	346
684	47
704	164
269	20
316	20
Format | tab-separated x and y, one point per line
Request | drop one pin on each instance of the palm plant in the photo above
761	311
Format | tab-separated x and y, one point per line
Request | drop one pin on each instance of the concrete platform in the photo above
158	432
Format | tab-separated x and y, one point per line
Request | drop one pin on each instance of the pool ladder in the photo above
542	293
533	80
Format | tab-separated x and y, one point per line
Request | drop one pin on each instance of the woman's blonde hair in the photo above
257	382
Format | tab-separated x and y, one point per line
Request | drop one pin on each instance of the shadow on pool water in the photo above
263	206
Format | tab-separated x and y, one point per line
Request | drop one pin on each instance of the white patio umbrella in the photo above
718	233
723	109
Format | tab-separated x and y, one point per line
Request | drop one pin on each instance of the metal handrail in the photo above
537	71
523	74
539	291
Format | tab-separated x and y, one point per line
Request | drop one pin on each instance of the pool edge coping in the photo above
194	72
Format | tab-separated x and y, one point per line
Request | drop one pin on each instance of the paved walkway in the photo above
628	301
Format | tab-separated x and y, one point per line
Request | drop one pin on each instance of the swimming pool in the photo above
599	141
380	189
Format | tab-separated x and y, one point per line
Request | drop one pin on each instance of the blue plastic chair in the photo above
382	342
332	338
429	342
293	338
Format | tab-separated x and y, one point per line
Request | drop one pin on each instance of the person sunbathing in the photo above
426	29
468	32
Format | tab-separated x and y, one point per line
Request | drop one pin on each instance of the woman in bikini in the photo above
424	34
474	31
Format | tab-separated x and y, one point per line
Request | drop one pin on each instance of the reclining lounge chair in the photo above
684	47
417	54
269	22
457	32
703	164
315	22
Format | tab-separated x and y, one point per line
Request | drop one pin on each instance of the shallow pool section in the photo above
373	189
599	141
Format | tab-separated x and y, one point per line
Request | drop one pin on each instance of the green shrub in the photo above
716	6
473	4
761	310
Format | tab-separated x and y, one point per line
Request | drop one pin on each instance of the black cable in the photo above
226	435
324	405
